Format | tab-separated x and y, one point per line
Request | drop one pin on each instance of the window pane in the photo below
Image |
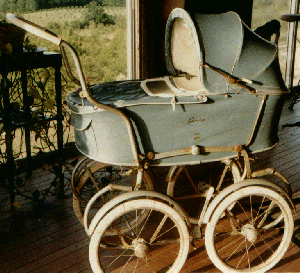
98	33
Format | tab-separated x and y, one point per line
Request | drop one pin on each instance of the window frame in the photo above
133	38
291	46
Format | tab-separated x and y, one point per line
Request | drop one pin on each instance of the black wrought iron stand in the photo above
24	62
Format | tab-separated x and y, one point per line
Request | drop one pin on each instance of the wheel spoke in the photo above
257	214
258	254
244	211
251	209
136	265
92	178
89	176
191	180
228	245
190	183
151	242
222	177
111	256
243	255
266	213
268	246
149	265
247	250
126	263
158	229
232	220
118	257
129	225
139	234
165	242
235	250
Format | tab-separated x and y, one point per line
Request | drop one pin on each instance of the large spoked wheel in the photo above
244	238
90	176
190	183
159	243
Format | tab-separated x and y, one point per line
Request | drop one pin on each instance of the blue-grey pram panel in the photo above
160	126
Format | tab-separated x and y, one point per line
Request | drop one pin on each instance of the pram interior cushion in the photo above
194	106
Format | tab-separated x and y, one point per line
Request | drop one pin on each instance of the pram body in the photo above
221	121
196	106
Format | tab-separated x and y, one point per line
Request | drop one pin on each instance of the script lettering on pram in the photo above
190	120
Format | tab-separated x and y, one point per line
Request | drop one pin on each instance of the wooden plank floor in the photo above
52	240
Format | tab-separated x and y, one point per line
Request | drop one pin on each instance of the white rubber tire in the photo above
235	197
129	206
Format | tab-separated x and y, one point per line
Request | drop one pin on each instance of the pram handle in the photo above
45	34
33	28
290	17
50	36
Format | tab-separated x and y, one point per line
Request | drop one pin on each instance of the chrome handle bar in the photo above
33	28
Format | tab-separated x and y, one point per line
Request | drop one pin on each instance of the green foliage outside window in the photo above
95	12
21	6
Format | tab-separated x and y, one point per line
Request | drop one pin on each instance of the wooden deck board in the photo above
53	240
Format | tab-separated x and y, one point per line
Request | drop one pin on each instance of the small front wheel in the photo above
159	243
241	235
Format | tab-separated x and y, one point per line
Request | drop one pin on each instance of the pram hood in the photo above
222	41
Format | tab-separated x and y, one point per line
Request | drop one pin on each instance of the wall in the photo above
153	18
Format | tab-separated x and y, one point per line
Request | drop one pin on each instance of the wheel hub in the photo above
250	233
141	248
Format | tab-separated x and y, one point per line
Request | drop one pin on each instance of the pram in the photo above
223	100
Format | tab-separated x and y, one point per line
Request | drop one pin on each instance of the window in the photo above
97	32
267	10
